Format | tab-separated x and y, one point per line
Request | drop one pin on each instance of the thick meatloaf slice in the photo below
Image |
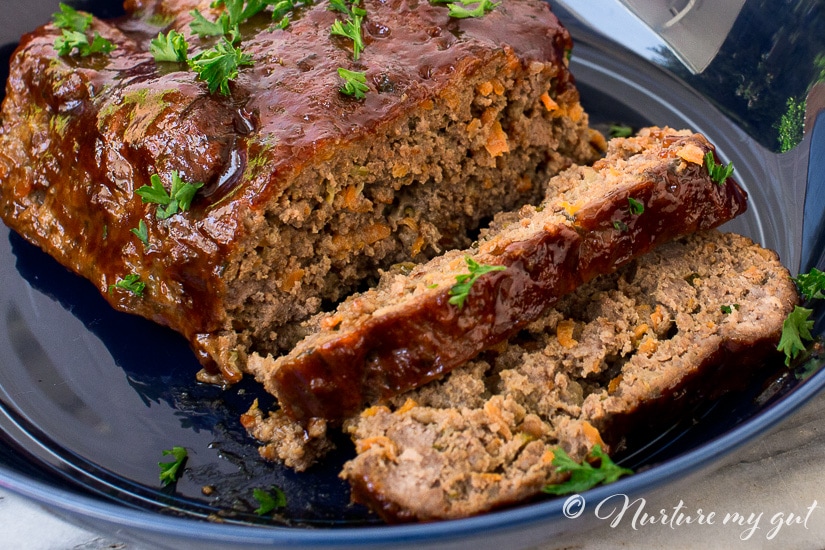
407	331
623	355
307	192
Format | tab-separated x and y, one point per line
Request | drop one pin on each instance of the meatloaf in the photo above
415	327
306	191
620	356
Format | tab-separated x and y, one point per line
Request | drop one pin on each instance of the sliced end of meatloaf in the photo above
307	192
619	356
412	329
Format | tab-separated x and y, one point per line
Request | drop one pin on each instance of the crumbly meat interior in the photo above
406	330
586	373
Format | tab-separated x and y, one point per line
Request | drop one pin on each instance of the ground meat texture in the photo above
405	332
604	364
307	192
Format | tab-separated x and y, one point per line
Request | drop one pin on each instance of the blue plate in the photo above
89	397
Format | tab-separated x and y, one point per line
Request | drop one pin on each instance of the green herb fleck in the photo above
619	225
351	26
459	10
728	309
142	232
791	125
811	284
464	282
229	21
269	500
219	64
74	25
355	83
130	282
74	40
718	173
180	196
170	47
584	476
170	472
620	131
636	207
796	328
71	19
204	28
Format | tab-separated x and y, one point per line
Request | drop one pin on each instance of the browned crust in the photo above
390	353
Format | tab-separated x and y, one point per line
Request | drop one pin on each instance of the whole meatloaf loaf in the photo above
415	327
622	356
306	191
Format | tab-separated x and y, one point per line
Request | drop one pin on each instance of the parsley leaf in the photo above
584	476
180	196
796	328
458	9
620	226
70	19
636	207
220	64
355	83
170	472
351	27
169	47
811	284
70	40
620	131
141	232
269	500
464	282
728	309
74	25
130	282
718	173
203	27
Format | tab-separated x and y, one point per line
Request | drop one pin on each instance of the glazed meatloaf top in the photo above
81	134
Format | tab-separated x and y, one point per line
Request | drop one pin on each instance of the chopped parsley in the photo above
170	47
180	196
636	207
351	26
811	284
130	282
620	226
584	476
170	472
465	281
269	500
281	10
141	232
620	131
71	19
204	28
355	83
718	173
459	10
229	21
219	64
74	25
796	328
728	309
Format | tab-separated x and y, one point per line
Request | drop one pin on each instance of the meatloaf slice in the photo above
410	329
620	356
307	191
